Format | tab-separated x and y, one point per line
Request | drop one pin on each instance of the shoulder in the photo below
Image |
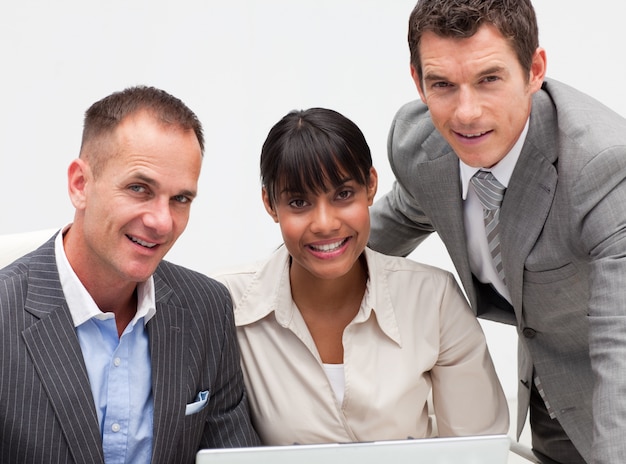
405	271
412	116
413	138
18	268
256	279
188	286
238	279
578	114
13	284
591	138
259	288
40	262
421	297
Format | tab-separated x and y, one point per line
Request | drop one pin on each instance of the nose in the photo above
159	217
324	219
468	107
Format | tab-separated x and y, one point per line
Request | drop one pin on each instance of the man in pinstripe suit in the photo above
108	354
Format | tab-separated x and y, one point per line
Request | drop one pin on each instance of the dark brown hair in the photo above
103	117
515	19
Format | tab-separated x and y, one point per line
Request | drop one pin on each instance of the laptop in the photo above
486	449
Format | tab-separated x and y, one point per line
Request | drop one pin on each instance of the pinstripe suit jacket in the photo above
47	412
563	241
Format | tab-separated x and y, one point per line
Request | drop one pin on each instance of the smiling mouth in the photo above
328	247
141	242
473	136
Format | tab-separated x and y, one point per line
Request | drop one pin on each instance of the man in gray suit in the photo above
108	354
551	258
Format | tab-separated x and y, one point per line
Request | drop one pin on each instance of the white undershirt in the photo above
334	372
480	260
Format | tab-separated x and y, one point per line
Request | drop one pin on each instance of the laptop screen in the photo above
488	449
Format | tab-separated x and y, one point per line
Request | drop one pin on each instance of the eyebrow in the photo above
485	72
150	181
492	70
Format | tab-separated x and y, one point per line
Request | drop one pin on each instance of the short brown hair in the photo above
515	19
103	117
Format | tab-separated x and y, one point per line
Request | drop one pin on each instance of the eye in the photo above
491	79
441	85
137	188
345	194
181	199
297	203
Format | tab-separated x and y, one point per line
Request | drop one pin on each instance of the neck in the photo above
328	306
329	295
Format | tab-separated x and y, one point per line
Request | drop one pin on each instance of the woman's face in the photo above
325	233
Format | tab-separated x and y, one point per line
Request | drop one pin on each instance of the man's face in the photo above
132	212
478	94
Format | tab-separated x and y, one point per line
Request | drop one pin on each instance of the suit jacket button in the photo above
529	333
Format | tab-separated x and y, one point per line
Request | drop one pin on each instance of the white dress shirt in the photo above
480	260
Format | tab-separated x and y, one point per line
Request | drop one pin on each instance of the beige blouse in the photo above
414	331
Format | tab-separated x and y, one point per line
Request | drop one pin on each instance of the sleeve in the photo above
398	224
467	396
228	424
599	203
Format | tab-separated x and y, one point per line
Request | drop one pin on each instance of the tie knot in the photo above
490	192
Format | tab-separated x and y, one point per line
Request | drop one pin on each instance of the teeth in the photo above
329	246
142	243
471	136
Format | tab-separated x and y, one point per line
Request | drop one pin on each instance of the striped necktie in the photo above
490	193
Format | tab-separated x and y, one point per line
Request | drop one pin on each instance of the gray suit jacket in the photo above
47	412
563	238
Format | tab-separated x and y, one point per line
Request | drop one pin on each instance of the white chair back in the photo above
12	246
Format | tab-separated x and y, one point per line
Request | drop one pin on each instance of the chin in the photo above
140	275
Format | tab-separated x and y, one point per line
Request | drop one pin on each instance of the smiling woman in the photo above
340	343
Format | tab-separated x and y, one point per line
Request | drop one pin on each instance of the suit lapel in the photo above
529	196
55	352
527	201
168	345
440	184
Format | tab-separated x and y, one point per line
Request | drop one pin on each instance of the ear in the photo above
418	84
78	176
268	205
372	186
538	68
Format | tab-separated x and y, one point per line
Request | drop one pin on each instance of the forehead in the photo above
141	140
487	47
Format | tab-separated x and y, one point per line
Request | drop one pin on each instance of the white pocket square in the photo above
200	402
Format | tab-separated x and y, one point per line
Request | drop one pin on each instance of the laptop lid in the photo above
488	449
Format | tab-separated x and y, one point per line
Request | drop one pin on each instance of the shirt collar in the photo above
270	291
81	304
377	298
501	171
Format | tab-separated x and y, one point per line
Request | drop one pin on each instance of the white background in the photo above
240	65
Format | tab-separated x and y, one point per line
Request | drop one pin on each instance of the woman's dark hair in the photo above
311	151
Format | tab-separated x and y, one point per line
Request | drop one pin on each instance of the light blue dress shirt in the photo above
119	368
